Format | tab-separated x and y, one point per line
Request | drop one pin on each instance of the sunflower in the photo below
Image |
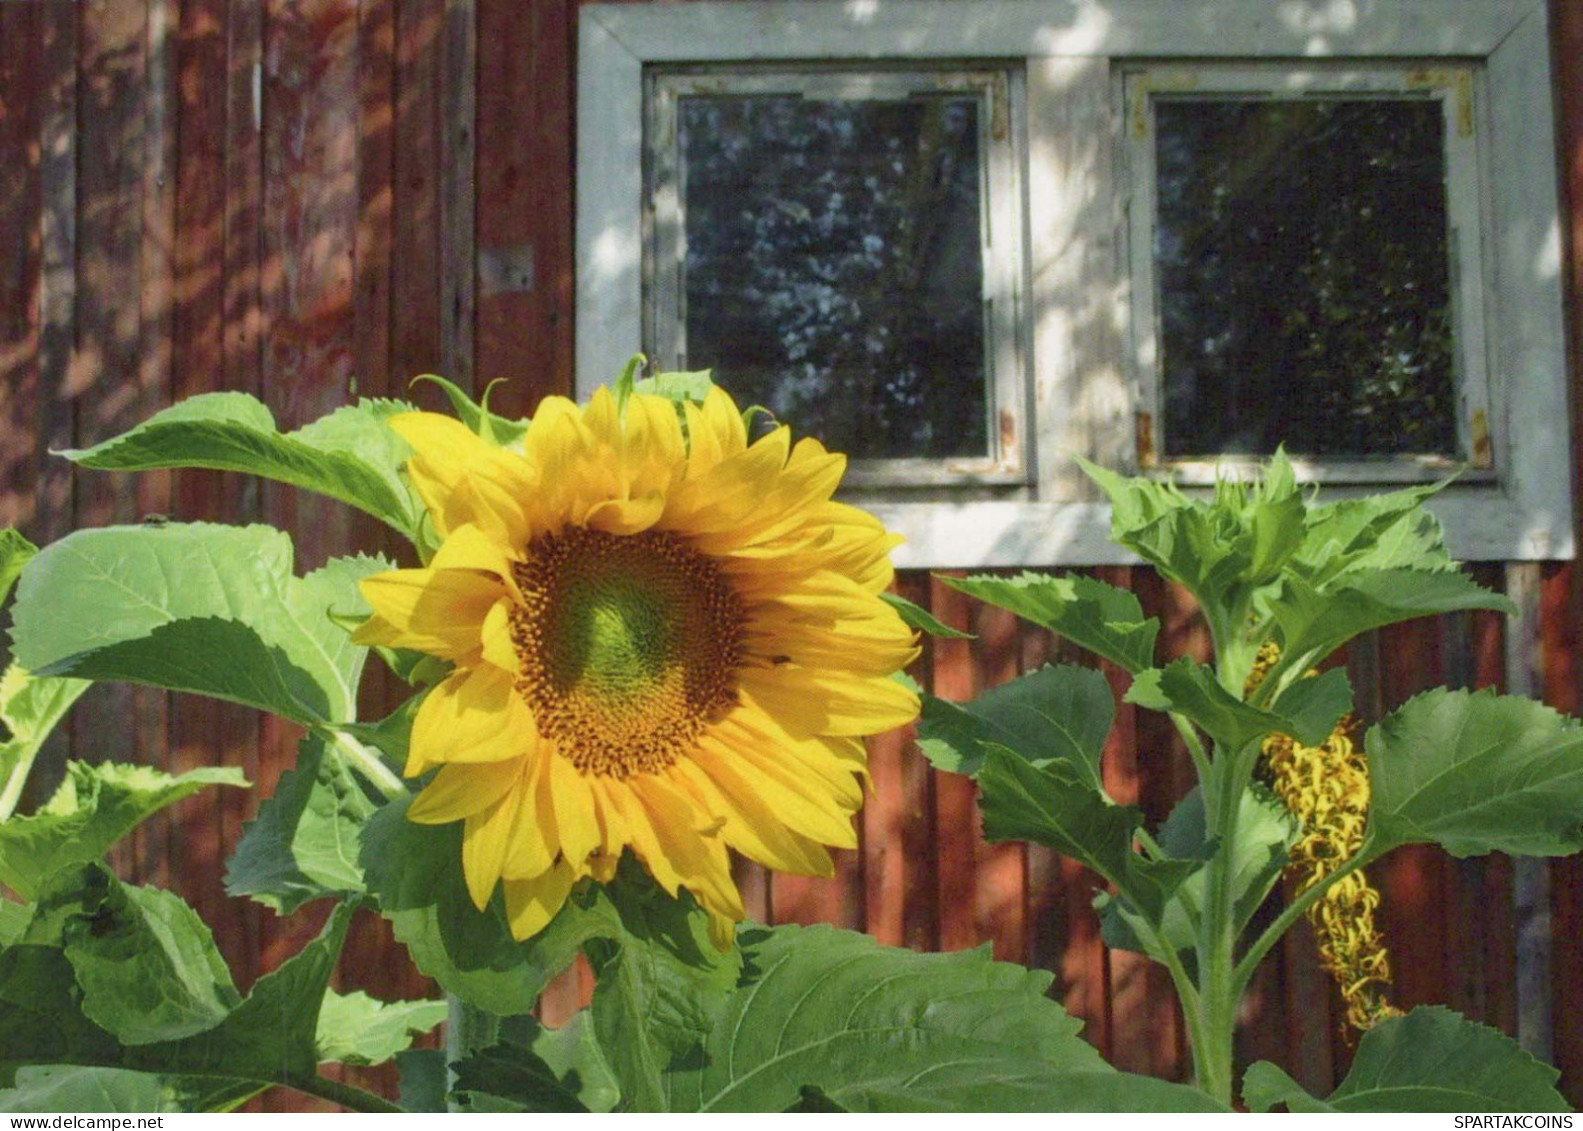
664	639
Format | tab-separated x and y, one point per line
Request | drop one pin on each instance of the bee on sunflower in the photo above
664	638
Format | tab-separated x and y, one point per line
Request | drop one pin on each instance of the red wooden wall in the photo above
311	199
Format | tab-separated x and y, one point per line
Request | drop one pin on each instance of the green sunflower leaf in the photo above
540	1070
493	428
1389	531
357	1029
920	618
424	1079
1313	622
145	964
196	607
690	385
60	987
1107	621
632	930
414	873
94	807
74	1089
350	455
1189	688
1059	714
1433	1059
1265	833
1053	806
30	709
303	845
1475	772
873	1028
15	552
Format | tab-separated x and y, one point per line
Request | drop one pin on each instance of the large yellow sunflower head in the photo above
666	640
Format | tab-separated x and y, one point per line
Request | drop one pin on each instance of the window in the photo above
844	246
1307	269
1157	236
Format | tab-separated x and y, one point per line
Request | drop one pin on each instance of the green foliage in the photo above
920	618
68	1088
1476	772
350	455
829	1014
1056	714
1433	1059
1105	620
30	709
356	1029
194	607
303	844
475	414
15	552
94	807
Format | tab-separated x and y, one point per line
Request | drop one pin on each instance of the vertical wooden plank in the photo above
376	94
206	731
307	239
1561	603
415	240
106	375
1412	881
524	201
21	395
895	809
54	414
957	831
1559	612
241	334
920	907
1531	878
458	89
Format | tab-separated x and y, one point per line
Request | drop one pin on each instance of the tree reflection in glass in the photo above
1303	271
833	268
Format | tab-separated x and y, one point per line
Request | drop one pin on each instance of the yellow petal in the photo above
752	825
535	839
473	715
499	648
825	701
575	820
531	904
464	479
485	840
436	611
462	790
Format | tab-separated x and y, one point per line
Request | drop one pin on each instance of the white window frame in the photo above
1084	386
1003	241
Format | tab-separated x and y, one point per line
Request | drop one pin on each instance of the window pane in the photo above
833	270
1304	278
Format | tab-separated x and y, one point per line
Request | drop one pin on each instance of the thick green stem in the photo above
368	764
467	1029
1217	938
1283	922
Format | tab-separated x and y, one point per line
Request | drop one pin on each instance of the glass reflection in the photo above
1303	274
833	270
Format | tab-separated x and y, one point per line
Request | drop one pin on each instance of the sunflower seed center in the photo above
629	646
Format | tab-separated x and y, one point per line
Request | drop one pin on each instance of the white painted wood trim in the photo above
1069	47
609	226
921	29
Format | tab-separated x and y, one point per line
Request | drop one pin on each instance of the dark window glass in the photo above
1304	290
833	270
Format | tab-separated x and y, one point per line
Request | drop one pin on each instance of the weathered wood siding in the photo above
316	199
